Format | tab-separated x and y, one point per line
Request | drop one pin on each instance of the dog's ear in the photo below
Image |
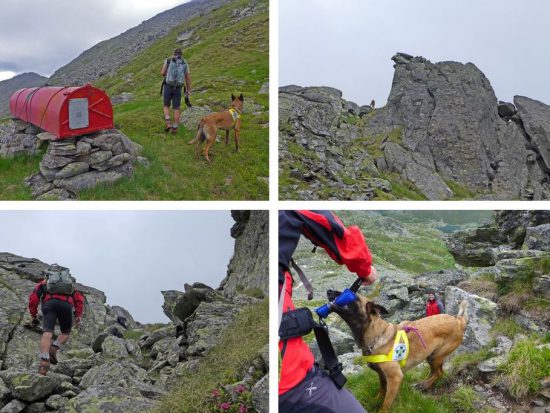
241	98
232	97
375	309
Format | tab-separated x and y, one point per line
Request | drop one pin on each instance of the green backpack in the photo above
59	280
176	72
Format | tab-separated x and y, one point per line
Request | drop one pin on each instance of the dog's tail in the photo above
463	313
200	136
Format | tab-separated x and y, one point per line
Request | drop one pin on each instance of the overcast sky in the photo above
42	36
348	44
129	255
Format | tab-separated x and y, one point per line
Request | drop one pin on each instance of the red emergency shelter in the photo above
64	111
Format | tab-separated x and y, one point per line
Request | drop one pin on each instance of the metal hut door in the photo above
78	113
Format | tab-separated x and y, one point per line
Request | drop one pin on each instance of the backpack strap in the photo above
332	364
303	278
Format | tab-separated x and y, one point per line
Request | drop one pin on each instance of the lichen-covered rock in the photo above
538	238
114	347
191	117
114	373
30	386
481	317
260	395
108	398
15	406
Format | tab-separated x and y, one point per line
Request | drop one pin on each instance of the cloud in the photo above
350	44
39	36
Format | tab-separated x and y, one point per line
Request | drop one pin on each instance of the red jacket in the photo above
344	245
434	307
40	293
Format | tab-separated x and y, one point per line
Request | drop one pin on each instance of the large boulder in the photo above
260	395
108	398
191	117
207	324
113	373
114	347
482	315
30	386
171	297
194	294
475	247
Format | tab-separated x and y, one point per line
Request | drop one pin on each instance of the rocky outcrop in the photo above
71	165
246	272
442	134
8	87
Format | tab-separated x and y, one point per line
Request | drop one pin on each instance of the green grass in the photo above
224	364
460	192
525	367
397	249
508	327
134	334
229	58
441	399
13	173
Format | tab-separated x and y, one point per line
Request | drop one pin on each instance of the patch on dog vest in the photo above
399	351
234	114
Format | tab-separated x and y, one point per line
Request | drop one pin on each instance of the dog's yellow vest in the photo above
399	351
235	115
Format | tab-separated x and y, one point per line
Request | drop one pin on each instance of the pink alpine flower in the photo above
225	406
240	389
216	393
243	409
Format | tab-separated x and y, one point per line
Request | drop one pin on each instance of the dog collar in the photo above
399	351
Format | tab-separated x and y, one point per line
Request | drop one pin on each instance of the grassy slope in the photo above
224	364
230	58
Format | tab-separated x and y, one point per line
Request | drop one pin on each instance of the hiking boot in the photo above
168	126
53	354
44	367
174	130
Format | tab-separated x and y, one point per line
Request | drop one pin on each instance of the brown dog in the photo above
226	120
441	335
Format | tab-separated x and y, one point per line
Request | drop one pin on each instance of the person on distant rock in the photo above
372	104
60	299
433	305
176	74
303	386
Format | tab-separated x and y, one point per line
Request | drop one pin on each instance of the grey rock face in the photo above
535	116
247	268
474	247
481	317
538	238
260	395
108	398
190	117
451	127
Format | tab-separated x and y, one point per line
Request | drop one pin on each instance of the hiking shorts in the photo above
57	310
172	96
317	393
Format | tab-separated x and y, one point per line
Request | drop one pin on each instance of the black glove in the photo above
35	322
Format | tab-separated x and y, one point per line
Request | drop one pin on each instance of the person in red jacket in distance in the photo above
54	307
303	387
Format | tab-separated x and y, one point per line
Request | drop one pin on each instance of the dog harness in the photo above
399	351
235	115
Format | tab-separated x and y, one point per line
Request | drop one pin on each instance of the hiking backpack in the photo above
59	280
175	72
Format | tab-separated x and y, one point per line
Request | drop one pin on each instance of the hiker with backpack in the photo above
176	75
60	299
303	385
434	306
